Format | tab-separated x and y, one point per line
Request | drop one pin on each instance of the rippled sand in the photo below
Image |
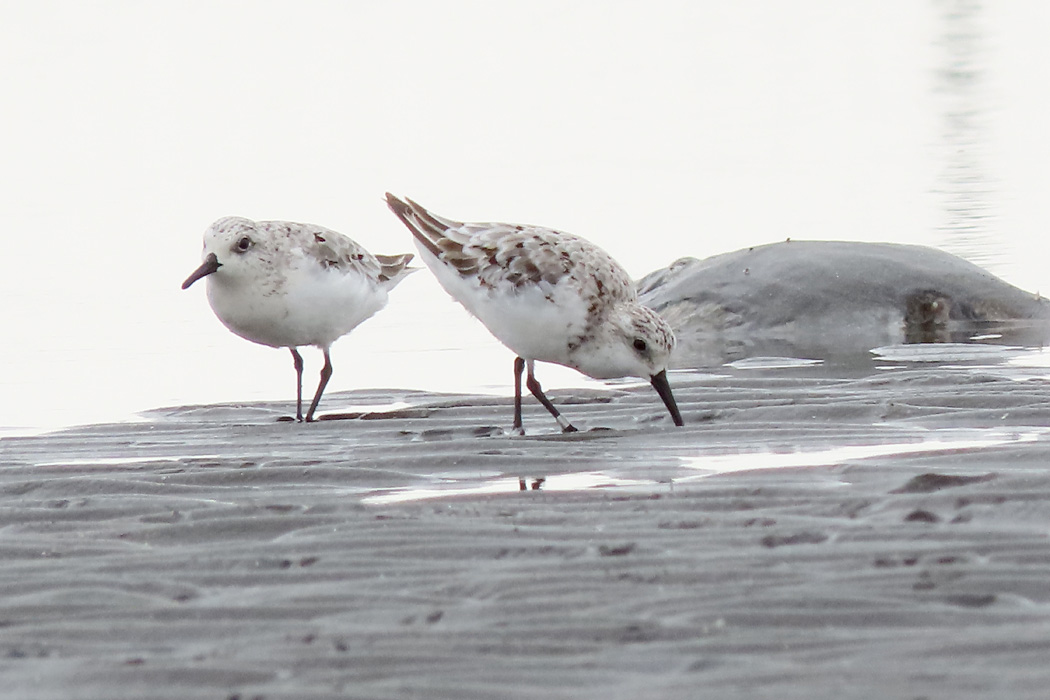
812	532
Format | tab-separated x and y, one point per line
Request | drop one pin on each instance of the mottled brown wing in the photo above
500	254
334	250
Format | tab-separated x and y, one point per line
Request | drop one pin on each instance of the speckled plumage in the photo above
546	295
286	284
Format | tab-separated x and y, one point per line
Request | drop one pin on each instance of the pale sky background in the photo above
657	129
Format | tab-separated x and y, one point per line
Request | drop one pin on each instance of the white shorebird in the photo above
286	285
548	296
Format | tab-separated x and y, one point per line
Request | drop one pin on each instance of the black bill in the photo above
210	265
659	381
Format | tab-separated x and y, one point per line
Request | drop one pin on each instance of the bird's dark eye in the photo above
244	244
640	345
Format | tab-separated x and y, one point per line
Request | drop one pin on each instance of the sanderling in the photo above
548	296
287	285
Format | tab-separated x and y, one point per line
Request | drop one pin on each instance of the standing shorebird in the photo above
548	296
286	285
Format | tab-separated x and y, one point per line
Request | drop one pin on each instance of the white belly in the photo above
311	311
537	322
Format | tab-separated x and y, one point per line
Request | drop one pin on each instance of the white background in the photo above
657	129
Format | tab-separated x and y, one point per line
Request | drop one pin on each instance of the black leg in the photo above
519	367
326	374
537	391
297	359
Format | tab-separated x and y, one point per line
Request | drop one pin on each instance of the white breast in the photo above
311	307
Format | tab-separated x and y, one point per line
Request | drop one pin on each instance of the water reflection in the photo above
705	464
967	191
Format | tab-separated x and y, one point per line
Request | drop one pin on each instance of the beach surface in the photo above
879	530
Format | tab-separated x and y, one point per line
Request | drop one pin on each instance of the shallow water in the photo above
396	446
709	462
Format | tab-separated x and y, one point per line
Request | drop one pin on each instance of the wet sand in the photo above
813	532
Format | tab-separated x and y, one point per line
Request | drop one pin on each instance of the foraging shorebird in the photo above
549	297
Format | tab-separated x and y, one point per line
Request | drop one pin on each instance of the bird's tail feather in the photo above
429	229
394	268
